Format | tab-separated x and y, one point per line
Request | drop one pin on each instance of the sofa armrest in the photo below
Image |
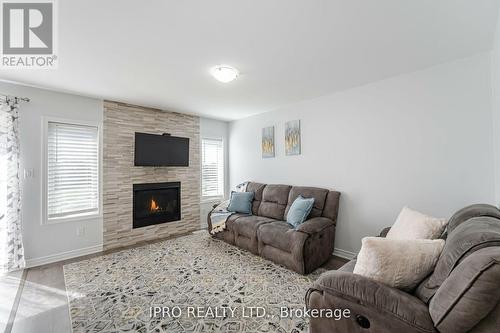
315	225
384	232
384	308
209	221
209	216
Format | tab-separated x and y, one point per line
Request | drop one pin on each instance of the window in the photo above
72	183
212	169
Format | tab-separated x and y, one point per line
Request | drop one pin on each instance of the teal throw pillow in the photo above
241	202
299	211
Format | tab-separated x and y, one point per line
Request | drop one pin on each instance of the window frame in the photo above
45	172
212	199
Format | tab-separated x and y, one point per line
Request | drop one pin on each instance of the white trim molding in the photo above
63	256
344	254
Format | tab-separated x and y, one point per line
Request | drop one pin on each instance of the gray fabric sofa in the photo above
266	233
461	295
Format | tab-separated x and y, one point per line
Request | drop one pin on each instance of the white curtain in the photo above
11	245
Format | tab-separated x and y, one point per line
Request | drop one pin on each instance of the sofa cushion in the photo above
399	263
247	225
331	208
411	224
468	237
471	211
241	202
315	225
319	195
230	220
469	293
257	189
299	211
277	234
274	201
490	323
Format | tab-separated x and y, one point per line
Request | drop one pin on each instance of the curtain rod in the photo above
16	99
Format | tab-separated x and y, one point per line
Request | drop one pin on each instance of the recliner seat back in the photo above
274	201
465	285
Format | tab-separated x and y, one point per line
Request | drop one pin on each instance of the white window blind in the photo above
212	168
72	170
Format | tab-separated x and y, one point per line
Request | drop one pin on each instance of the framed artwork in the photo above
292	137
268	142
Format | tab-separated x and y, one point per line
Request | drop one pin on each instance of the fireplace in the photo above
156	203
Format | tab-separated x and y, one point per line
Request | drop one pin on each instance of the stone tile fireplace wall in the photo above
121	121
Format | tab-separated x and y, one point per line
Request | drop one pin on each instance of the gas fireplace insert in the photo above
156	203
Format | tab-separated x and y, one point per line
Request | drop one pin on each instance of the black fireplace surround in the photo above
156	203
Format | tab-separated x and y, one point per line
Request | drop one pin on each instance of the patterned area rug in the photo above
124	291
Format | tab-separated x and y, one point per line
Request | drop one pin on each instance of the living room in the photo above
319	166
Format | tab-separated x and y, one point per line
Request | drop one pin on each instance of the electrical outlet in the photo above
29	173
80	231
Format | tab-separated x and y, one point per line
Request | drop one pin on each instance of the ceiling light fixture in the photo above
224	73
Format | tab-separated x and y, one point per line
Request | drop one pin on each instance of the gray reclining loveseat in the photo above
461	295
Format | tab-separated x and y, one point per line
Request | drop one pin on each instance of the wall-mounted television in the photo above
160	150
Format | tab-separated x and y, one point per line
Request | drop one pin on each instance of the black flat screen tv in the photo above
160	150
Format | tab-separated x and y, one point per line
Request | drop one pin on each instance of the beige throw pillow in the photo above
398	263
411	224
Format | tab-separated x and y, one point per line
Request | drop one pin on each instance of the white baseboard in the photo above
344	254
63	256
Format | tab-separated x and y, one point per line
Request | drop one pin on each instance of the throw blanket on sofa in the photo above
219	217
220	213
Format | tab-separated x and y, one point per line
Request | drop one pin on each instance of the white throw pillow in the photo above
411	224
398	263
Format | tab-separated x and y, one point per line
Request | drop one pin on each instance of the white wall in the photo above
422	139
50	242
211	128
495	85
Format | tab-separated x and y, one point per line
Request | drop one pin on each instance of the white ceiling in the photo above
158	53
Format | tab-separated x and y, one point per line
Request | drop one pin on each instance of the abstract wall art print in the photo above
268	142
292	137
